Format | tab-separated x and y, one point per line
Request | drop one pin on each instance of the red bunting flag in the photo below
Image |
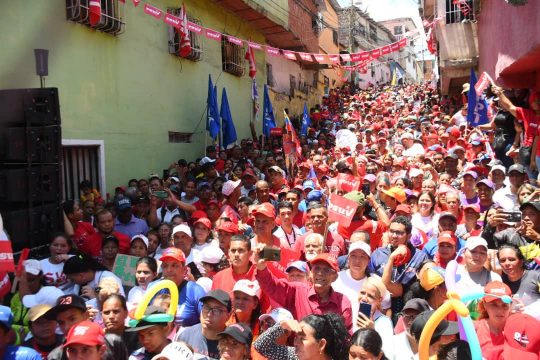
136	2
334	58
356	57
213	35
172	20
305	57
94	9
197	29
403	42
235	40
376	53
272	51
152	11
385	50
289	54
364	55
319	58
345	57
255	46
394	46
183	34
482	84
250	57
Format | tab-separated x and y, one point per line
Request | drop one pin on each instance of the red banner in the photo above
276	131
272	51
482	84
152	11
394	46
289	54
402	42
348	182
211	34
364	55
334	58
136	2
356	57
345	57
385	50
305	57
376	53
235	40
319	58
172	20
195	28
341	210
6	255
254	45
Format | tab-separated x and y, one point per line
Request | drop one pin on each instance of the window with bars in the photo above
232	57
398	30
459	11
179	137
111	21
269	75
194	38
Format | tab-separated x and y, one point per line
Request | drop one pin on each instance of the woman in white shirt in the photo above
145	272
53	266
424	219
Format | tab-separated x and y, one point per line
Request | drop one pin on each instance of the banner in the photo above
348	182
6	253
477	109
482	84
341	210
124	267
152	11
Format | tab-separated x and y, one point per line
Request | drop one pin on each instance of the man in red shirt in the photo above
79	230
241	266
105	227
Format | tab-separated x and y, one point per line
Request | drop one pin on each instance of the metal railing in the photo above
111	21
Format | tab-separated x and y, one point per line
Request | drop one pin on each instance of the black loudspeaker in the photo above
30	159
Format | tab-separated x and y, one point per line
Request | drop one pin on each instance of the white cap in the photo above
46	295
174	178
182	228
414	172
142	237
475	241
32	266
205	160
211	254
407	135
229	186
175	351
248	287
278	314
360	245
498	167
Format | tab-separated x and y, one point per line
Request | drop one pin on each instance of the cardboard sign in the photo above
348	182
124	268
341	210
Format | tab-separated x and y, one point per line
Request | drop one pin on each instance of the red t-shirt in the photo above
530	123
375	229
334	244
491	344
94	242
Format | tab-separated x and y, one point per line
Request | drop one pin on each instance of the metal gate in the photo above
79	163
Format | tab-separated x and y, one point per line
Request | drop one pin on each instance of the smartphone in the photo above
513	216
366	189
271	254
161	194
165	174
365	309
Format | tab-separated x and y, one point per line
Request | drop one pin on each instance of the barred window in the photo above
194	38
179	137
232	57
111	21
269	75
459	10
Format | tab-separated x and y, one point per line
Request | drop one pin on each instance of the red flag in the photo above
94	9
184	48
250	57
294	138
482	84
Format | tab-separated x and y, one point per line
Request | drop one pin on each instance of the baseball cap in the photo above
534	204
308	184
206	160
276	169
204	221
211	254
360	245
522	337
46	295
431	277
182	228
64	303
228	226
278	314
486	182
517	167
229	186
314	195
32	266
300	265
474	207
444	328
249	172
370	178
248	287
175	351
240	332
6	316
416	304
404	208
38	311
327	259
475	241
471	173
218	295
172	253
414	172
85	333
356	196
202	185
396	193
265	209
447	237
141	237
494	290
123	204
498	167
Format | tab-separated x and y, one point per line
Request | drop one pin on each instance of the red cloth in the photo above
301	300
531	124
492	345
334	244
375	229
82	233
94	242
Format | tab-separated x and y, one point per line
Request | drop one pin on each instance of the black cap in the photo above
240	332
220	296
145	324
64	303
534	204
444	328
419	305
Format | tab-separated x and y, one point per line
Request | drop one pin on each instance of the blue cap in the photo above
6	316
308	184
314	195
300	265
123	204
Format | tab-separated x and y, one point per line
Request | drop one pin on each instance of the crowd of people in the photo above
262	273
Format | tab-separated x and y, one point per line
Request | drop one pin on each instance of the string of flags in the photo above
184	26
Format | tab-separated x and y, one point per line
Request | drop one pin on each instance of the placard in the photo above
124	267
341	210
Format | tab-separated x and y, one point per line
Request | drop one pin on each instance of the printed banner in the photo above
345	57
194	28
6	253
172	20
482	84
152	11
254	45
341	210
124	267
305	57
272	51
234	40
289	54
211	34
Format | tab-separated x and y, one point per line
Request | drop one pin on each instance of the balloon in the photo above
450	275
151	292
474	343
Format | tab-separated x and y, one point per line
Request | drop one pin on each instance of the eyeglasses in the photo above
207	310
396	232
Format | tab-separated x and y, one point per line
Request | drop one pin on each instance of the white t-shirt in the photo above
427	224
349	287
399	348
474	281
287	240
53	275
415	149
459	119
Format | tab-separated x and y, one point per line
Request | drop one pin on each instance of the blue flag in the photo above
268	114
227	125
306	121
212	116
477	106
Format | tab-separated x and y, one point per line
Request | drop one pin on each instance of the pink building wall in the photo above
509	43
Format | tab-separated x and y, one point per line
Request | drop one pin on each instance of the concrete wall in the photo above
127	91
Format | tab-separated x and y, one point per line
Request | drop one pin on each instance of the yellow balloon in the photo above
150	293
452	304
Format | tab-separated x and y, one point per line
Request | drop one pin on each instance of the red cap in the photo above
197	214
228	226
174	254
327	259
212	202
475	207
205	221
265	209
447	237
85	333
497	289
249	172
455	132
404	208
304	165
522	337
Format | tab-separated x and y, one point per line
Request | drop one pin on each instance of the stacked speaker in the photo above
30	181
